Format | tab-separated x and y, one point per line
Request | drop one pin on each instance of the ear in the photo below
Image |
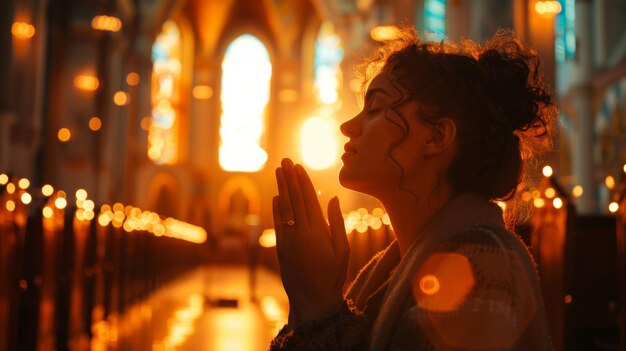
442	137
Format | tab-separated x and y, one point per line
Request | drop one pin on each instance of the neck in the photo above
409	215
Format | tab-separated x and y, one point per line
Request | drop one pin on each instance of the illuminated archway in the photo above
164	194
166	80
245	93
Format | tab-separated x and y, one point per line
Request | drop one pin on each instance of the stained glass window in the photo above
435	18
166	75
564	31
327	82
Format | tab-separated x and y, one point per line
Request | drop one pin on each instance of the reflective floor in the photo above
210	308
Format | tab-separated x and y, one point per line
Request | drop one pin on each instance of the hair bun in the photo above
513	78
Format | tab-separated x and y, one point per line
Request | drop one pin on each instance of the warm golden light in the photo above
181	324
241	129
165	101
132	78
60	203
104	220
568	299
624	168
318	155
577	191
64	134
384	33
272	309
443	282
88	205
95	123
375	223
145	123
81	194
386	220
4	179
10	188
268	238
185	231
47	212
26	198
429	284
557	202
47	190
539	202
550	193
502	205
22	30
106	23
120	98
23	183
288	95
547	171
549	8
10	206
613	207
361	227
609	181
86	83
202	92
526	196
327	73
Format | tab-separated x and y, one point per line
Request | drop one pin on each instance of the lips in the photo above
349	148
349	151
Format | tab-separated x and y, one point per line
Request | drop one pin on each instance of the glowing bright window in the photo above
246	76
318	134
166	75
435	17
328	56
564	31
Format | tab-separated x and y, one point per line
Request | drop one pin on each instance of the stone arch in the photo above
163	192
244	186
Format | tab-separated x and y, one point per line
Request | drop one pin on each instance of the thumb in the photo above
338	231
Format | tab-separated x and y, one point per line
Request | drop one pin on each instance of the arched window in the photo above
246	77
564	31
166	76
327	78
327	73
435	17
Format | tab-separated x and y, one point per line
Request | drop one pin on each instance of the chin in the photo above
348	181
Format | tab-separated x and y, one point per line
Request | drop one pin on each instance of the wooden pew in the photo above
577	265
621	259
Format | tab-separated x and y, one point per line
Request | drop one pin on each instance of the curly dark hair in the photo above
495	93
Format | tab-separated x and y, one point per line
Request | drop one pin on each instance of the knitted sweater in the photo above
466	283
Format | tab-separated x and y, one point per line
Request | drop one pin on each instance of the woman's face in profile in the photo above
377	147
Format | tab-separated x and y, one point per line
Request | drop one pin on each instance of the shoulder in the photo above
477	286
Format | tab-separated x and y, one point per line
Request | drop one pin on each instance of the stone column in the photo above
7	113
582	155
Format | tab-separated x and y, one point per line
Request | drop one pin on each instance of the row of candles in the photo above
129	218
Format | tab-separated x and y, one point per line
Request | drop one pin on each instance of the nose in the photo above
351	127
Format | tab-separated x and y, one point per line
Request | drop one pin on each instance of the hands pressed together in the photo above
313	254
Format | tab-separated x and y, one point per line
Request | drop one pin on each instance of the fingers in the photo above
278	223
339	240
338	229
284	198
311	203
295	194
